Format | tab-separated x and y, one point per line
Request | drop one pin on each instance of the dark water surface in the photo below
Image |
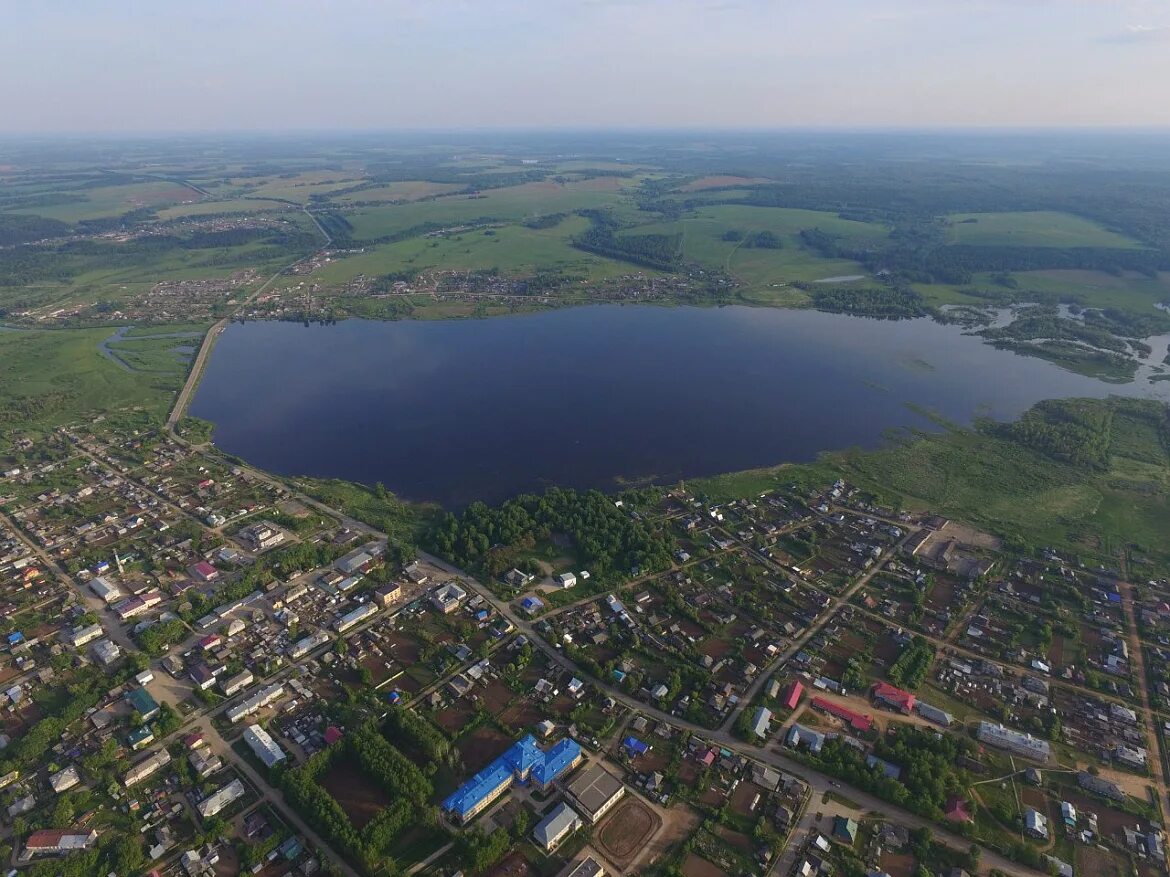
482	409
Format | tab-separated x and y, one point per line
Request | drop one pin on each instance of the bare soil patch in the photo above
454	718
697	866
512	865
481	747
742	797
621	836
359	798
1098	862
735	839
524	714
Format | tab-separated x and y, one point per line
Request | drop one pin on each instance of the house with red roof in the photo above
856	721
792	695
894	698
203	571
332	735
957	810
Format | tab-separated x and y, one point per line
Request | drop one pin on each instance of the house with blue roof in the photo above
635	747
523	762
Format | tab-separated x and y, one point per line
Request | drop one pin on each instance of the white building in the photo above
256	702
146	767
561	821
220	798
106	652
307	644
65	779
566	580
448	597
349	619
81	636
1013	741
266	749
762	722
236	683
55	841
106	590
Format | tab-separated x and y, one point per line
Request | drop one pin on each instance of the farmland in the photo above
1032	229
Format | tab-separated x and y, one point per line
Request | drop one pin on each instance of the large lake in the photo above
597	396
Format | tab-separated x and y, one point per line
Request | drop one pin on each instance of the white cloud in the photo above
1141	33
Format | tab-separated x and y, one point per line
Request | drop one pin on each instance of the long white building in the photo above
220	798
146	767
257	701
1013	741
349	619
307	644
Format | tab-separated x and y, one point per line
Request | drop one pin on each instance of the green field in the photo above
512	249
233	205
515	203
54	377
109	201
1039	228
762	270
408	190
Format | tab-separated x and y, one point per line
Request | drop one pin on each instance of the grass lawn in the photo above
1035	228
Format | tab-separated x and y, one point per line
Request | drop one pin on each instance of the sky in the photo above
233	65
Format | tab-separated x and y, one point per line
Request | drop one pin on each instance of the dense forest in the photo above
660	251
604	537
1087	432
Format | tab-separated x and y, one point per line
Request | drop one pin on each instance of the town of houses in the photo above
183	634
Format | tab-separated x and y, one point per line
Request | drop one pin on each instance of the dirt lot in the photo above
898	864
942	594
736	839
404	649
495	697
359	798
697	866
742	797
1111	823
512	865
454	717
481	747
524	714
1098	862
623	834
1033	797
